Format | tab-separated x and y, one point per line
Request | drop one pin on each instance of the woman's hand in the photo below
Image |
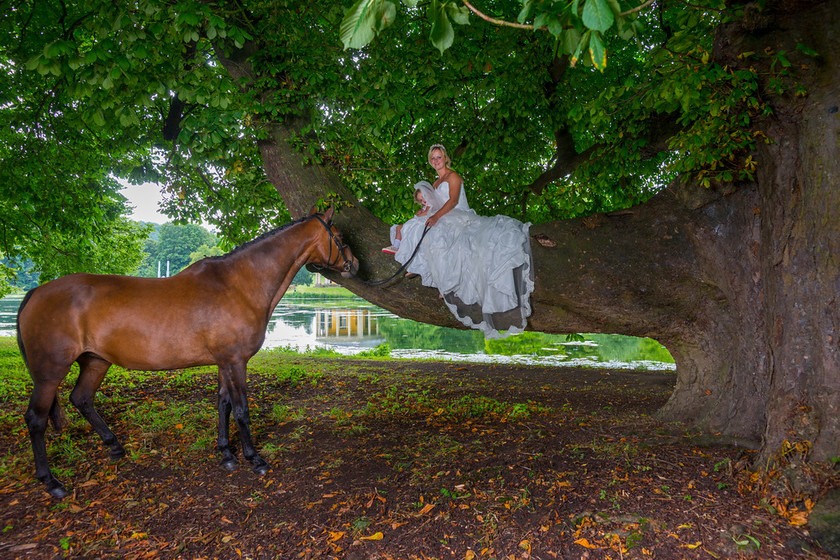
433	219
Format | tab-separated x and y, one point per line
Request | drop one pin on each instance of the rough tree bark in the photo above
738	282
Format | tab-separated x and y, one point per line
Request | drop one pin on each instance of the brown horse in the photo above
213	312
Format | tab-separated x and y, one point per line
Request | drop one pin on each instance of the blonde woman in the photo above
481	265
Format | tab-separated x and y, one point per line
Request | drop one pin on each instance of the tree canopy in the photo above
142	85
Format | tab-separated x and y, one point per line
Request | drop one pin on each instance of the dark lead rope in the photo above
403	267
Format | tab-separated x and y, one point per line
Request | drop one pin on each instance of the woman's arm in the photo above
454	193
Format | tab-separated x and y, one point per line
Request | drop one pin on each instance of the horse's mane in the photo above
256	240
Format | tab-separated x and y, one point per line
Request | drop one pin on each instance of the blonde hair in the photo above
440	147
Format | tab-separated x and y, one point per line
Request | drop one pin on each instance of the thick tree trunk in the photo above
800	242
740	284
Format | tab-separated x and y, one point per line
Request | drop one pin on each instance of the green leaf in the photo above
584	41
33	62
358	26
460	15
597	15
806	50
555	26
386	16
597	52
527	6
570	40
442	34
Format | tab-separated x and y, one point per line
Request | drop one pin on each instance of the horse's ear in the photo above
313	211
328	215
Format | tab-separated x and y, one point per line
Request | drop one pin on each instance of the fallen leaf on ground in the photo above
586	544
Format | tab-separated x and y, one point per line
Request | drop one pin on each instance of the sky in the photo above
145	199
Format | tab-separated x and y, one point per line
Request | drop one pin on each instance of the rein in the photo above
403	267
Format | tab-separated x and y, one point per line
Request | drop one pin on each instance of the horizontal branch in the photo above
504	23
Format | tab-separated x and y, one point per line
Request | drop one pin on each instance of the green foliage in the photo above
7	278
204	251
408	334
303	278
18	273
380	351
574	25
181	245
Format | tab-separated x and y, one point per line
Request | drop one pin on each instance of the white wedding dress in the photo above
481	265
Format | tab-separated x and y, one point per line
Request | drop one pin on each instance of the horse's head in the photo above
335	255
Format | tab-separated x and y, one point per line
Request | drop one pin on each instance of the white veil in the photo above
429	194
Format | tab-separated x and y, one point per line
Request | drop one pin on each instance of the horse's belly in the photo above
173	346
144	349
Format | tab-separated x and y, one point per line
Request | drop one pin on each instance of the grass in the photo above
15	376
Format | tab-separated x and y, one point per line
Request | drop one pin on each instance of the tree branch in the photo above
504	23
496	21
567	160
638	8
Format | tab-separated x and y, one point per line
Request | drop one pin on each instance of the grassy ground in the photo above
383	459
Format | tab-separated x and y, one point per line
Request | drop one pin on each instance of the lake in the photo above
350	325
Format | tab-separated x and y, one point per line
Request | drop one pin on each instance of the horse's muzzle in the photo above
350	268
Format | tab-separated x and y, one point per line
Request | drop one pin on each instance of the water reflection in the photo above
8	314
346	326
350	325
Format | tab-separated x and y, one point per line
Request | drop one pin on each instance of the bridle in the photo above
335	240
348	265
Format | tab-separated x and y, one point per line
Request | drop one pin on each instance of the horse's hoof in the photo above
117	453
230	465
56	490
262	469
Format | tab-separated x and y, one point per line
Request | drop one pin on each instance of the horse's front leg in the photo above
232	382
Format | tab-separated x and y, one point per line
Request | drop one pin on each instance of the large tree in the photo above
677	160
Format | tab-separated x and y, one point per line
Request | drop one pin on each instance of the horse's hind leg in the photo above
92	370
223	444
41	403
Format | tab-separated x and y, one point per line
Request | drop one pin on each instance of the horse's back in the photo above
78	293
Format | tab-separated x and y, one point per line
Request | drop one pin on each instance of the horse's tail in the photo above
56	413
17	327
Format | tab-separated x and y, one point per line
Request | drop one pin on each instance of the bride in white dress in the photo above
481	265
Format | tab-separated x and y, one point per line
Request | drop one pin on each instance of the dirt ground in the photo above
395	459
